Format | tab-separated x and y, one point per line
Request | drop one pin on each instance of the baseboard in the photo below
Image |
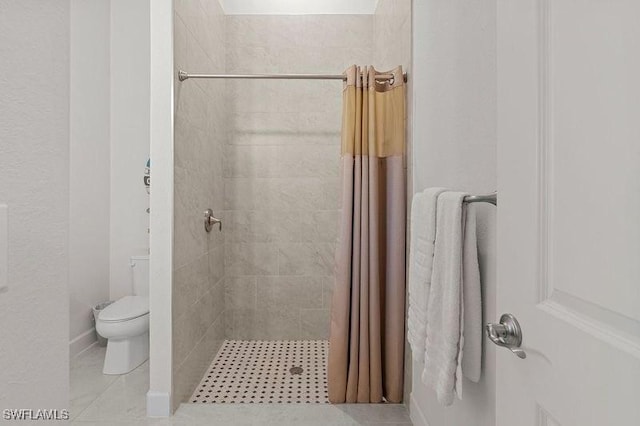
158	404
417	416
82	342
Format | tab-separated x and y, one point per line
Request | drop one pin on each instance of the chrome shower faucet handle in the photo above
210	220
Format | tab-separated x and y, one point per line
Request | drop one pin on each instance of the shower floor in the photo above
266	371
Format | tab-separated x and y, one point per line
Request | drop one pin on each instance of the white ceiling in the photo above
299	7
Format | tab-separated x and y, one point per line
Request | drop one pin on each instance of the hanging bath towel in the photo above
422	239
445	343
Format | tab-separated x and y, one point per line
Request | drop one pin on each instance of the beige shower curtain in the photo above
366	349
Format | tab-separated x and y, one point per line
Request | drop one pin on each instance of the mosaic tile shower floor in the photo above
276	371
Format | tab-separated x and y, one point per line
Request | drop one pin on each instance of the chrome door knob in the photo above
507	334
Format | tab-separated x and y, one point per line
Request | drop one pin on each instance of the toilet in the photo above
125	323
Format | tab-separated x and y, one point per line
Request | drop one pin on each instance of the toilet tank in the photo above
140	271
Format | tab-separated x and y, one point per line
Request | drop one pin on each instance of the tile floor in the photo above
96	397
266	371
100	400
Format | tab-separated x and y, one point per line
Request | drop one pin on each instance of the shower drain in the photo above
296	370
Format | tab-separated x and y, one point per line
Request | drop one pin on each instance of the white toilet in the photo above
125	324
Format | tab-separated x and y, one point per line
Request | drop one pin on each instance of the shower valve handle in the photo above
210	220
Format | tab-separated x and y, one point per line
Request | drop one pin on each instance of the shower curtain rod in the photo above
182	76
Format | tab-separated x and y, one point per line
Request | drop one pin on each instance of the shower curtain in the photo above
366	345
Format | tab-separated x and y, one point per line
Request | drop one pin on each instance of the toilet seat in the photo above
125	309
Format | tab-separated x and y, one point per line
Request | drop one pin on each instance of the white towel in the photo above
422	237
446	307
472	300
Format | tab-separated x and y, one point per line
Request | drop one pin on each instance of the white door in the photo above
569	211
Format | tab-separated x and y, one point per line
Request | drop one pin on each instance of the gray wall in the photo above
282	171
130	47
34	183
454	48
198	284
89	204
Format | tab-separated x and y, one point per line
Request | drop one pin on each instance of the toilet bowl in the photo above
125	324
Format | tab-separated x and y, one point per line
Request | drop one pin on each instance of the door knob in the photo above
507	334
210	220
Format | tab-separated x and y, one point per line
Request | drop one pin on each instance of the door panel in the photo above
594	147
569	210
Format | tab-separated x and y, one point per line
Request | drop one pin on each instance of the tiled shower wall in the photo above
281	170
198	269
392	34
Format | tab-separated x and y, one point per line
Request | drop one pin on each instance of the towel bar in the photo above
488	198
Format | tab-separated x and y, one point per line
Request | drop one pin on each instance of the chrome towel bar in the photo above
487	198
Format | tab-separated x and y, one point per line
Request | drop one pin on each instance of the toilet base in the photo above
124	355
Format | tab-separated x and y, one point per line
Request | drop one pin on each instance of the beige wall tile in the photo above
314	323
278	324
249	193
332	193
392	21
210	305
296	138
285	96
328	283
216	264
186	333
189	283
253	226
308	161
250	259
261	324
335	31
240	293
286	292
199	139
286	123
300	193
299	226
327	225
189	241
306	258
189	372
251	60
250	161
